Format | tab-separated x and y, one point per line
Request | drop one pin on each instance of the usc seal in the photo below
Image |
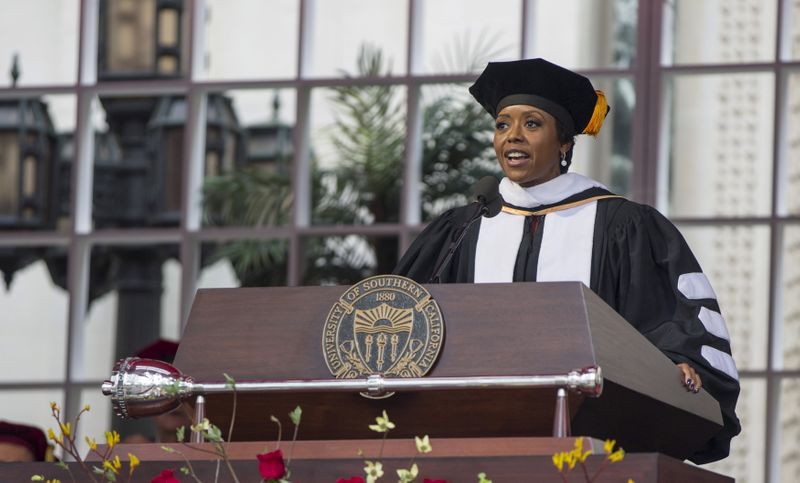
388	325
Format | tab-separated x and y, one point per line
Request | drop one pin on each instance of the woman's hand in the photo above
689	378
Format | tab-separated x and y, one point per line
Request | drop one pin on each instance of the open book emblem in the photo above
388	325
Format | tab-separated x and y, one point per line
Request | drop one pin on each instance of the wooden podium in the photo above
518	329
490	330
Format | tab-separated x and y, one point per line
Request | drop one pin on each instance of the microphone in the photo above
488	203
487	194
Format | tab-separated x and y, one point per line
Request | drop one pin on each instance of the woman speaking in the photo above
561	226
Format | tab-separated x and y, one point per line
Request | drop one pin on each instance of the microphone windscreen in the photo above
487	192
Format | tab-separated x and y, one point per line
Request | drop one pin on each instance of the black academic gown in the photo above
637	257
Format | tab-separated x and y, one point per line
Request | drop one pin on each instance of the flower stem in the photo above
189	464
585	472
233	416
599	469
291	448
383	443
221	449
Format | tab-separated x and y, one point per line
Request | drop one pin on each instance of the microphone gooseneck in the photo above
488	203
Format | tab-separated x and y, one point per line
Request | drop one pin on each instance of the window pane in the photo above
790	311
736	261
244	263
35	157
720	31
457	147
344	260
265	40
794	29
462	35
720	145
792	148
601	33
790	430
134	300
33	334
746	460
44	36
343	28
138	161
358	141
248	165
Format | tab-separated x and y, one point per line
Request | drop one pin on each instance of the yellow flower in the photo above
373	471
54	406
578	452
423	444
630	480
608	446
383	426
616	455
133	462
92	443
87	408
52	436
558	461
114	465
65	429
407	476
112	438
204	425
571	459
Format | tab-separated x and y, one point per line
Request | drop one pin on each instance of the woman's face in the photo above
527	146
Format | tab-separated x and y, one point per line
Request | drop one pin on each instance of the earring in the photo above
563	159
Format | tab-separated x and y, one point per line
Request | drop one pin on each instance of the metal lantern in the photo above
166	146
141	39
27	146
269	145
27	184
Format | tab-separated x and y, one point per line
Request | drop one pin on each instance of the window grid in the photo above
649	75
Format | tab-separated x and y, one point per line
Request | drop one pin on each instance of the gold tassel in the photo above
598	116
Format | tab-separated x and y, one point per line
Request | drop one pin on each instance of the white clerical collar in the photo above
553	191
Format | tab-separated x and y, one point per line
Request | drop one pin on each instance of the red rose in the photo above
166	476
428	480
271	466
354	479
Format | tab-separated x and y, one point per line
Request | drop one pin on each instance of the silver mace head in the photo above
146	387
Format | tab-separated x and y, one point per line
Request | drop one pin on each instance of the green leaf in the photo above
98	470
214	434
168	449
274	419
110	476
180	433
37	478
229	381
184	470
295	415
62	465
